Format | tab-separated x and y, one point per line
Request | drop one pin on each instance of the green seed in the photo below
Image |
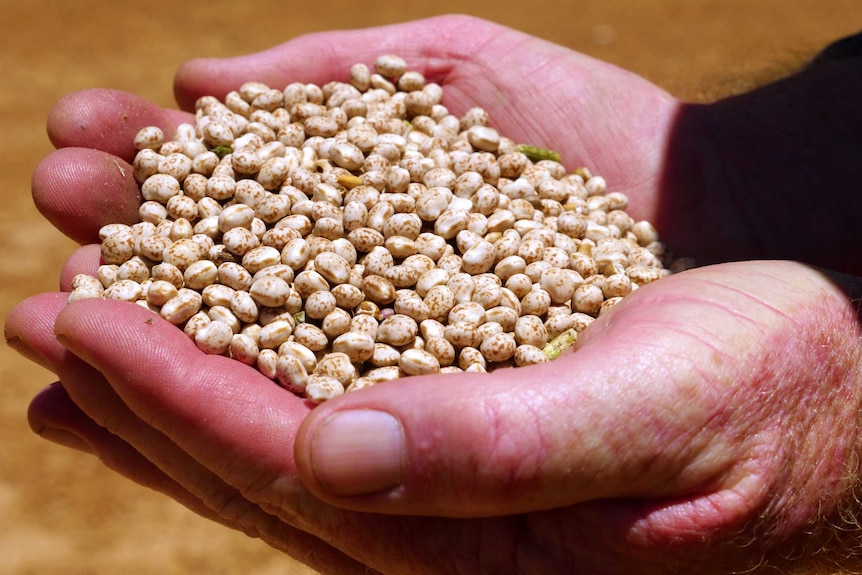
536	154
561	343
222	151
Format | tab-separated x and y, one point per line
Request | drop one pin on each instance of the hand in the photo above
691	430
600	461
535	92
760	175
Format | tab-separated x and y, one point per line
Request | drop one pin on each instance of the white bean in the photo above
214	338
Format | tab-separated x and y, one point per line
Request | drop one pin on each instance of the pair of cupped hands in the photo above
708	423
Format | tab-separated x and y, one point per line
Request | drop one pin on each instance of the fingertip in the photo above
79	190
79	119
33	313
74	318
84	260
118	337
105	120
187	80
81	319
53	416
29	328
215	77
47	401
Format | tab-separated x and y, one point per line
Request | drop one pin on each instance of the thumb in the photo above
654	404
516	440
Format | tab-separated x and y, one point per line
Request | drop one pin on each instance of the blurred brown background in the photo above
61	512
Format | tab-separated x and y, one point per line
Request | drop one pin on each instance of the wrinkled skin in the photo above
707	424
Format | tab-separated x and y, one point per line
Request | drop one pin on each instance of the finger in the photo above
84	260
32	325
119	338
241	426
79	190
479	63
29	327
40	325
89	181
107	120
54	416
430	46
86	414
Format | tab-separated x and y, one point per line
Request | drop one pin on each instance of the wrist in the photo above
814	514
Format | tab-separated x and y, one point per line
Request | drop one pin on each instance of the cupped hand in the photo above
535	92
691	429
761	175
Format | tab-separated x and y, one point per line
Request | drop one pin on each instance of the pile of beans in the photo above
342	235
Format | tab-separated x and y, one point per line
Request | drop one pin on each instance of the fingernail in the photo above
66	439
358	452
